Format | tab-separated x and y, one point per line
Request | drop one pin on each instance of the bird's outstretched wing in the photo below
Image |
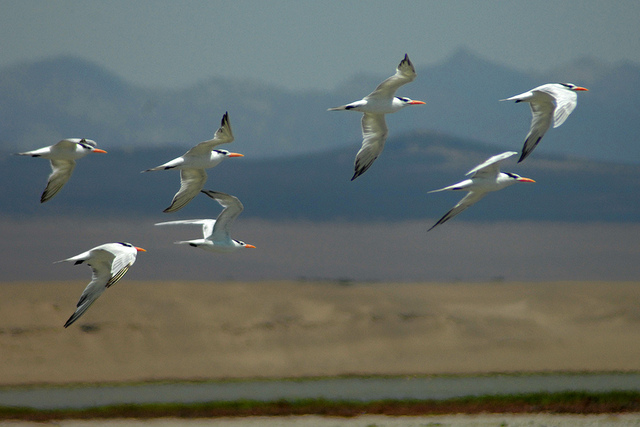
207	225
491	166
541	118
471	198
223	135
232	208
191	182
61	171
405	73
100	261
565	101
374	134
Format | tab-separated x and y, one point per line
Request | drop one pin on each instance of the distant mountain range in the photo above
317	186
45	101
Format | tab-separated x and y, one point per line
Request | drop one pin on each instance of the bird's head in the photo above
129	245
243	244
409	101
573	87
90	145
226	153
517	177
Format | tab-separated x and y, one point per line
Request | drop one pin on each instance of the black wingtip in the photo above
70	320
170	209
358	172
440	221
210	193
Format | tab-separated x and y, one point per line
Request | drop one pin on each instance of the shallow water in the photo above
349	388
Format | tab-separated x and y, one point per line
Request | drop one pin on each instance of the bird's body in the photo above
109	263
550	104
374	106
485	178
62	156
193	163
216	232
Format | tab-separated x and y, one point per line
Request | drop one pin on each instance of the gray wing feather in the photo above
223	135
405	73
374	134
491	166
191	182
467	201
61	171
232	208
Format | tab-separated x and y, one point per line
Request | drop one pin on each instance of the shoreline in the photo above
549	404
146	331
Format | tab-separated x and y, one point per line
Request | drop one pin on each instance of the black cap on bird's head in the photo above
409	101
518	177
229	154
571	86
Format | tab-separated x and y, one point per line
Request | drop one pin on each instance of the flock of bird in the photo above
550	104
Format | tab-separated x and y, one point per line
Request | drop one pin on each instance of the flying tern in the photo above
215	232
374	106
550	104
62	156
485	178
193	163
109	263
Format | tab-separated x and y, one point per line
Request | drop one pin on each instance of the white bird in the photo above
109	263
215	232
374	106
62	156
486	178
193	163
550	104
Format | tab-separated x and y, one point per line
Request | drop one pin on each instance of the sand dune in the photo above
197	330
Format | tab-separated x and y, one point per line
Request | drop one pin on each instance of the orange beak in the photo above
97	150
235	155
140	249
581	88
249	246
416	102
525	180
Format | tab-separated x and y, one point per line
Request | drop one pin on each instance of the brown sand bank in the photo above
196	330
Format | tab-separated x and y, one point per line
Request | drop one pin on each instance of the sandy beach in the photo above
139	331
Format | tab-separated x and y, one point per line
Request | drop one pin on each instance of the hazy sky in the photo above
311	44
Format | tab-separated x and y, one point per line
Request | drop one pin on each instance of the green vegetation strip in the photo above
565	402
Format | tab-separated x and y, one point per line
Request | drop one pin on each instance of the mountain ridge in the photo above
317	186
45	101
